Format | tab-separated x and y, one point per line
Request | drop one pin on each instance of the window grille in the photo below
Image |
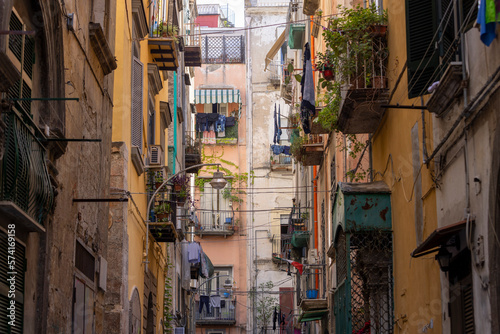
137	73
223	50
364	275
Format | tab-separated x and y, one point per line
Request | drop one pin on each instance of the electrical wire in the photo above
252	28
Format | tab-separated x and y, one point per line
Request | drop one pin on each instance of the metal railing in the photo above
226	311
193	36
281	246
24	178
223	50
215	221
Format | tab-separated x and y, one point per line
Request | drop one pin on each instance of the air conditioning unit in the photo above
312	256
155	155
179	330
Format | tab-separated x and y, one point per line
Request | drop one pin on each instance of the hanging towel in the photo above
215	301
193	252
277	149
274	319
286	150
486	17
279	126
307	105
230	121
275	126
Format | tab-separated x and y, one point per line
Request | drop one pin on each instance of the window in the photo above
216	207
431	43
461	297
21	48
83	307
215	285
151	121
137	73
220	108
83	299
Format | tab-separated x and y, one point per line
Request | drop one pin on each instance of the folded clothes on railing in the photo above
230	121
280	149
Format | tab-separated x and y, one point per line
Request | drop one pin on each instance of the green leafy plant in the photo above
168	317
349	39
264	303
163	208
296	149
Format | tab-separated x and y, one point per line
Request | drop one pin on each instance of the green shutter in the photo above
421	24
137	117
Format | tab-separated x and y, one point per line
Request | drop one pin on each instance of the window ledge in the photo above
137	160
101	48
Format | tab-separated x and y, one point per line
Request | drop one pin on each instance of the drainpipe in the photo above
462	51
315	189
252	273
175	121
424	147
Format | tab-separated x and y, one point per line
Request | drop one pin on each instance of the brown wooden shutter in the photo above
421	23
137	117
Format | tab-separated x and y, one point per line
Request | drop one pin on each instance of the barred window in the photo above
223	50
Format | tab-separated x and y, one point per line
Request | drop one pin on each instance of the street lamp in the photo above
228	285
218	183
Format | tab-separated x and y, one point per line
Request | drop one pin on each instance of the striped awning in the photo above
203	96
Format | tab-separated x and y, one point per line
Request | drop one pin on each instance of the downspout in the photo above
250	222
175	121
315	189
424	146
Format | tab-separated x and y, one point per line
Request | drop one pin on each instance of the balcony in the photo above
281	247
215	223
26	194
365	90
193	153
162	44
223	50
192	49
224	315
312	151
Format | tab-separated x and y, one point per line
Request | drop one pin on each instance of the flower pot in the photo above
177	187
158	184
379	82
378	30
312	294
161	216
328	74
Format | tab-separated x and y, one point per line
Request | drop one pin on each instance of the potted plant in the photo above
180	182
162	211
166	29
350	44
158	179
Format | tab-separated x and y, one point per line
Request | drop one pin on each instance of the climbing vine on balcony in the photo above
168	299
236	182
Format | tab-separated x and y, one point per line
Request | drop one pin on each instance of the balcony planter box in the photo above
296	36
312	294
310	7
300	239
361	111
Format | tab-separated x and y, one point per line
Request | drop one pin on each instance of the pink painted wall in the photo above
229	251
211	21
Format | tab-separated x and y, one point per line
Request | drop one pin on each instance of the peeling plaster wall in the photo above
264	96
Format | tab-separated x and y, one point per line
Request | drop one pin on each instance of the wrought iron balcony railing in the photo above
215	222
24	178
225	314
